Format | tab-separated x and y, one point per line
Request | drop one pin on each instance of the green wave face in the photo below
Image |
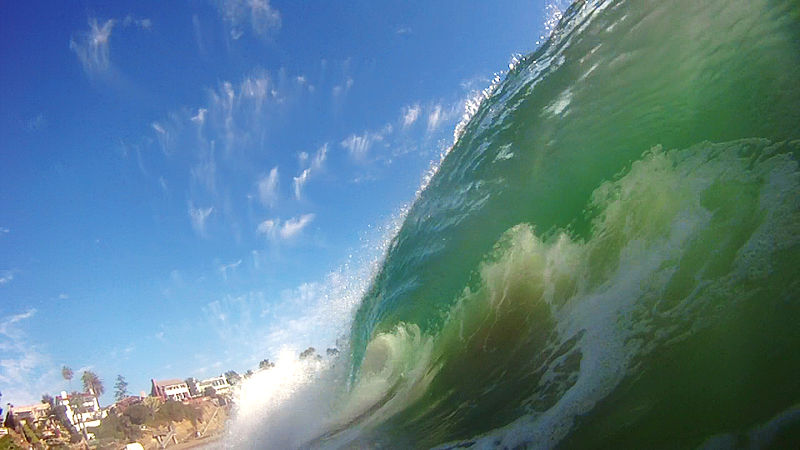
609	255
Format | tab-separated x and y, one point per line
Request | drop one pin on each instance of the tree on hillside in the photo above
66	372
310	352
92	383
266	364
138	413
48	399
232	377
120	388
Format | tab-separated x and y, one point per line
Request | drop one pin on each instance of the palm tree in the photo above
66	372
92	383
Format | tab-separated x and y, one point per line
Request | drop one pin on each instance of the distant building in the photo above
31	414
174	389
83	411
219	384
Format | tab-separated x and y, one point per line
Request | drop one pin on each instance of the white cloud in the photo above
224	268
238	114
299	182
6	276
262	17
92	46
163	137
274	229
143	23
198	217
410	115
302	81
343	88
403	30
4	230
63	296
7	323
358	146
294	226
25	372
435	118
315	166
200	117
267	227
268	188
319	157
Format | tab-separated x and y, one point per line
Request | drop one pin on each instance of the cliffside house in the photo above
219	384
174	389
83	411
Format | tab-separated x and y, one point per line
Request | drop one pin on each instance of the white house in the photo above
220	385
83	411
174	389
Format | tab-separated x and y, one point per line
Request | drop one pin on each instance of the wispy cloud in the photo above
268	188
4	230
313	313
6	276
225	268
274	228
315	166
358	146
410	115
25	372
238	114
7	323
217	143
294	226
261	16
198	34
198	217
200	117
143	23
435	118
92	46
403	30
268	227
341	89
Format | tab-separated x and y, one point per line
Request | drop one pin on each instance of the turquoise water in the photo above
609	255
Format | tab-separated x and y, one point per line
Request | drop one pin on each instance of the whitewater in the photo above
608	256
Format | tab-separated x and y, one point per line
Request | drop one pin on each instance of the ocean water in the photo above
607	257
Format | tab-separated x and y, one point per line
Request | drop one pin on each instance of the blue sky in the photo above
188	187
